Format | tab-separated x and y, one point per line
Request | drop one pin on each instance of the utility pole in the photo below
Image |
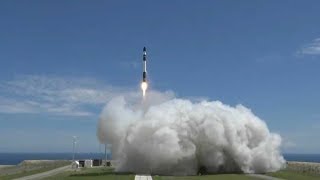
105	153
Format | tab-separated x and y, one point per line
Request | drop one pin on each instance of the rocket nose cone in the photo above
144	49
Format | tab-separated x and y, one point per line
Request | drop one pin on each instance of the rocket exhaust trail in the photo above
144	84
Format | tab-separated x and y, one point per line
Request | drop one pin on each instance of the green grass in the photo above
206	177
294	175
27	173
92	173
108	174
24	173
31	172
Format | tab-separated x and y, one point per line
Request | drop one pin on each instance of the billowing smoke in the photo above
166	135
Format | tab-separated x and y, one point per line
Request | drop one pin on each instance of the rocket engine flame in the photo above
144	87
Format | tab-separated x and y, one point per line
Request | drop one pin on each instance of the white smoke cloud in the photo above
166	135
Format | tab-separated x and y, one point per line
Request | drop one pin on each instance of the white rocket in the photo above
144	60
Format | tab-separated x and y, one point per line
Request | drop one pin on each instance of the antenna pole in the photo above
105	153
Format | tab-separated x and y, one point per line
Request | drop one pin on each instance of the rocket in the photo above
144	84
144	61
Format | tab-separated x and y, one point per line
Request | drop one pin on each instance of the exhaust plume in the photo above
144	86
166	135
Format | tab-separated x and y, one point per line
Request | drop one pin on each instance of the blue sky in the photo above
61	61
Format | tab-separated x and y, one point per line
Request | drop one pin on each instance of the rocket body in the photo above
144	61
144	84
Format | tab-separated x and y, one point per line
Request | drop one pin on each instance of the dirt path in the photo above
261	176
45	174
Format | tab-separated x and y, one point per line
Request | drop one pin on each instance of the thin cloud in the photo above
288	144
311	49
54	95
12	106
130	64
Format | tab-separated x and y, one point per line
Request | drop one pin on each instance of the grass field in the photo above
206	177
25	173
21	171
108	174
293	175
92	173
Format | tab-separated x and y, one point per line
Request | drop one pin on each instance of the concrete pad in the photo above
142	177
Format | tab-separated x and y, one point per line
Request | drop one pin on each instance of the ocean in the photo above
16	158
302	157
